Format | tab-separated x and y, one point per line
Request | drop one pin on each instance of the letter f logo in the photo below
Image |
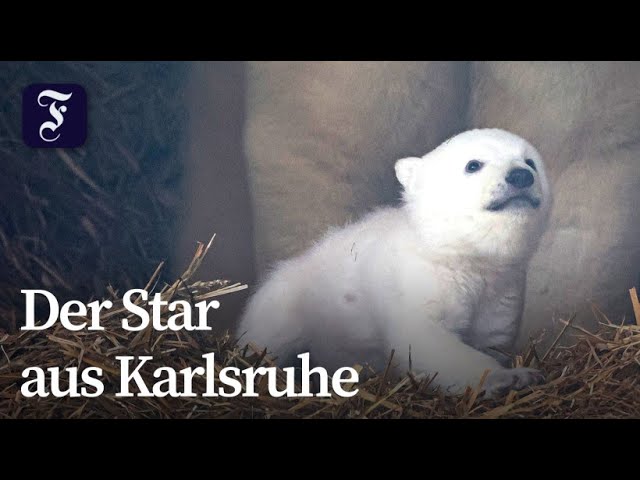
54	115
55	112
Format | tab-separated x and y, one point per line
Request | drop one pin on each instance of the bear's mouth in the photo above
517	201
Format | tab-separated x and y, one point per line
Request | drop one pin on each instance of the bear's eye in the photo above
473	166
531	163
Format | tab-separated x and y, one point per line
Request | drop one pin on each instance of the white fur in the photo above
441	277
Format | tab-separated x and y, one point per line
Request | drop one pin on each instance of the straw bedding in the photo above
596	377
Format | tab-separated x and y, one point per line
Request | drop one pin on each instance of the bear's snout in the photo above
520	178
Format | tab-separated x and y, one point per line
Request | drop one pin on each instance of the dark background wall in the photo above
77	220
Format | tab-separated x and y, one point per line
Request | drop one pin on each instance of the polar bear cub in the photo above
440	279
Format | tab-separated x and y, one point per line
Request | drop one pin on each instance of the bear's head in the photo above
482	193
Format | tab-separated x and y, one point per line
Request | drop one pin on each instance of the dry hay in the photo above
596	377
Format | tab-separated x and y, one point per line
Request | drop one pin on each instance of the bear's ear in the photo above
406	170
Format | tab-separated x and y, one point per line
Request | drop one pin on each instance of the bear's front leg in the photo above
458	365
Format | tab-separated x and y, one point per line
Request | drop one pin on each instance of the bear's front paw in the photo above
499	382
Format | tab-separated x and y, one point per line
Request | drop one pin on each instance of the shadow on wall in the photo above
217	197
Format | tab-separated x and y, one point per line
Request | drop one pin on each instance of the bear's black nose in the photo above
520	178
